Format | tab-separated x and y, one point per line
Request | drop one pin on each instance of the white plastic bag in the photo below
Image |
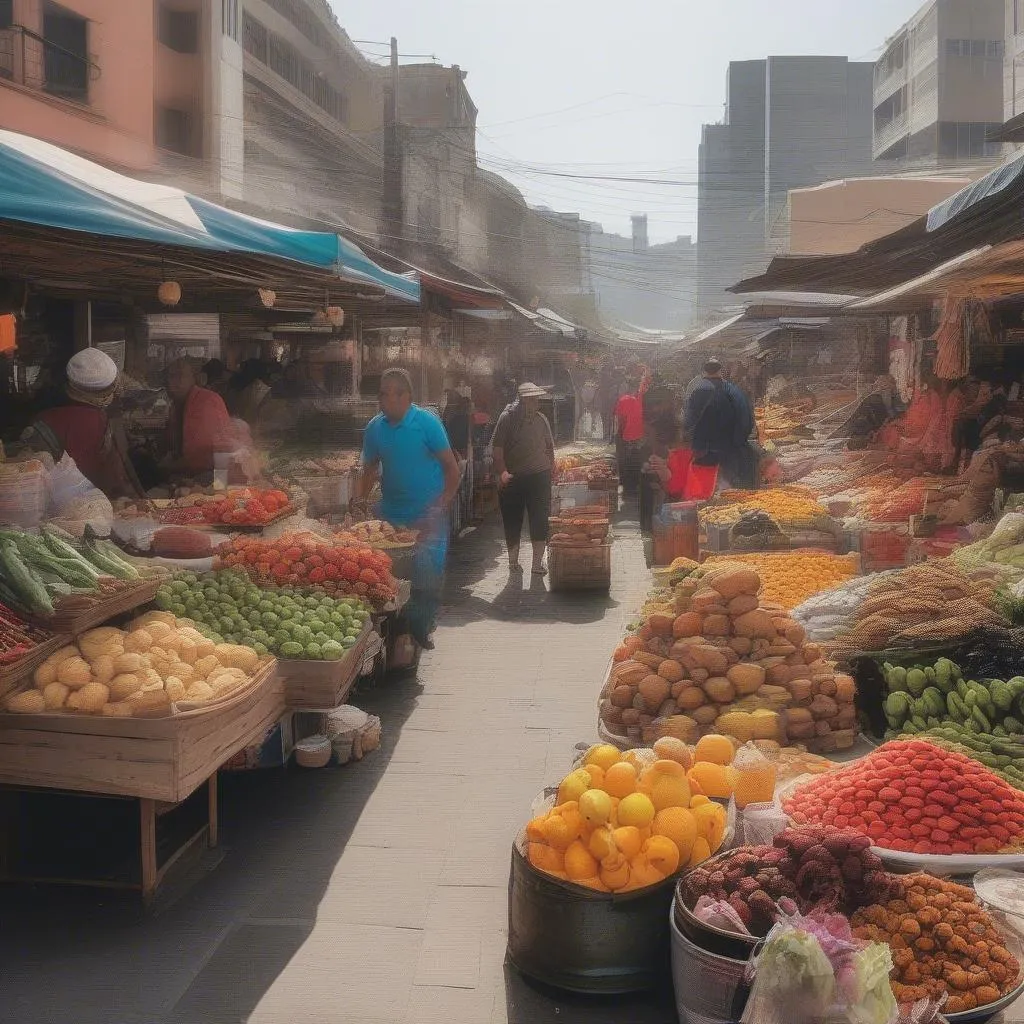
74	503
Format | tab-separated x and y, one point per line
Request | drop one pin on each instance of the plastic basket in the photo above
709	989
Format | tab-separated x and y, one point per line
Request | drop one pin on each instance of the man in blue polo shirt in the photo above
407	449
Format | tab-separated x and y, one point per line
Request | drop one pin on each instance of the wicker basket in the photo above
709	989
313	752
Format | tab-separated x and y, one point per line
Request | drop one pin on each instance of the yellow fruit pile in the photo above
626	821
783	504
791	577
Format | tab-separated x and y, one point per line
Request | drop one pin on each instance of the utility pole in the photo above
393	212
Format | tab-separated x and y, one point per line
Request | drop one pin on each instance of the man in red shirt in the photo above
199	426
629	436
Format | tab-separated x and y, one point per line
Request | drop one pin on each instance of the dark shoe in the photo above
424	642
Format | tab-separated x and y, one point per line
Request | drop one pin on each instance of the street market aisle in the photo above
375	892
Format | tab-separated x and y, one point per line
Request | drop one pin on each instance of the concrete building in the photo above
938	86
643	285
1013	66
790	122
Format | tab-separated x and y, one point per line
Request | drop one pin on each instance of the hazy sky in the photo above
611	88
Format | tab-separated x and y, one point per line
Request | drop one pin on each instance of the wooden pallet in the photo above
154	758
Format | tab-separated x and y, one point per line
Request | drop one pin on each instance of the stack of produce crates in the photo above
580	550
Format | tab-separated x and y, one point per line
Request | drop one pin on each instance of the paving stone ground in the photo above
370	893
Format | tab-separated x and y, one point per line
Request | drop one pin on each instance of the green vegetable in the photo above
898	706
895	678
22	581
946	674
919	723
958	711
105	558
1001	693
934	700
1014	726
916	681
979	717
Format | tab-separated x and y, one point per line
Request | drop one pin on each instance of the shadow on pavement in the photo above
211	953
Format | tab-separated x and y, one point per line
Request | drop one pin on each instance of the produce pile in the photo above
1003	546
571	530
17	637
832	612
1002	757
943	943
626	821
39	572
146	671
575	469
289	622
729	663
297	560
779	423
375	533
786	505
916	797
291	464
894	505
238	507
803	870
931	696
791	577
930	602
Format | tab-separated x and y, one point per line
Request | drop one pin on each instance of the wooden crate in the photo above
321	685
80	619
11	676
152	758
580	568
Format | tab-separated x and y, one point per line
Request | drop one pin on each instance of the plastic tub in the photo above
709	989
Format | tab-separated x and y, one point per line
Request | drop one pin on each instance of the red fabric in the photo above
81	430
629	410
688	482
205	429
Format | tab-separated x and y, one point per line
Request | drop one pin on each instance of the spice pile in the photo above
914	796
17	637
786	505
943	942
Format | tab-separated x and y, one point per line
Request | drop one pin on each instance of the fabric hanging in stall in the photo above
901	357
952	360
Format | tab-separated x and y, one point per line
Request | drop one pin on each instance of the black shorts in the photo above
528	495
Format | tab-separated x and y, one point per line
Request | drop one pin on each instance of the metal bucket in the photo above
579	940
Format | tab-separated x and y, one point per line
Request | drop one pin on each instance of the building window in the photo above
179	30
65	53
229	18
174	130
6	13
990	48
959	140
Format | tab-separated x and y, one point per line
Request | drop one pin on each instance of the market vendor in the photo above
880	406
629	436
200	425
406	449
84	428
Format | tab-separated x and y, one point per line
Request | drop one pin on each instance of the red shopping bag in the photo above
689	482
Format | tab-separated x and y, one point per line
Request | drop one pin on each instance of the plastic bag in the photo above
74	503
755	777
762	823
719	914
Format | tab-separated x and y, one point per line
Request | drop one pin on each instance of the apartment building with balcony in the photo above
938	86
117	82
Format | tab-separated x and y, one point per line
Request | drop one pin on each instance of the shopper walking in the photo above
629	436
718	425
524	457
406	449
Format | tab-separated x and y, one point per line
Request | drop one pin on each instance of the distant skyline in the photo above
575	96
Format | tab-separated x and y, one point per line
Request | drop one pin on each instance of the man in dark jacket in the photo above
718	424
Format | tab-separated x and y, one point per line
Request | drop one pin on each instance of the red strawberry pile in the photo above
917	798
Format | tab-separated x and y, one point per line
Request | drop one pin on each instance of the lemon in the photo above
604	755
637	810
596	806
573	786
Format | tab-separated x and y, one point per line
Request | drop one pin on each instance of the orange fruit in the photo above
636	809
679	825
579	862
700	852
710	820
620	779
714	748
627	840
545	858
663	855
615	871
714	780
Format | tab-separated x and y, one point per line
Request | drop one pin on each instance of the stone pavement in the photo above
374	892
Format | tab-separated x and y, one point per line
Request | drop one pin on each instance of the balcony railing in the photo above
888	134
34	61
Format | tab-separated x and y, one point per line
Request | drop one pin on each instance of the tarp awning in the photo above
47	186
984	188
546	320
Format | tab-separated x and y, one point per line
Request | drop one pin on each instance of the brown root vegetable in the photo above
742	604
846	689
671	670
742	645
746	678
629	673
654	690
622	697
733	582
756	624
687	624
720	690
824	707
717	625
706	716
691	698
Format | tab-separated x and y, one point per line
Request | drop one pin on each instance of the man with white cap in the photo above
524	457
82	424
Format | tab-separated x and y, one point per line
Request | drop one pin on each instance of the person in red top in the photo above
200	424
83	425
629	436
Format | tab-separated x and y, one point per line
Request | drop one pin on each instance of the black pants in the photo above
528	495
630	457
